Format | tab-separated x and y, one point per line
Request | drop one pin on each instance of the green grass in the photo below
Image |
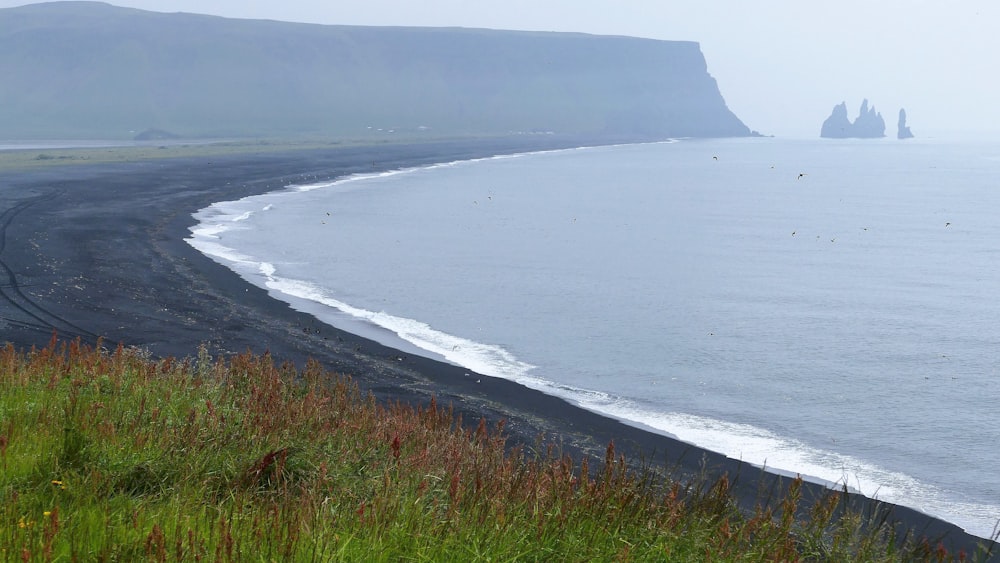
32	159
110	456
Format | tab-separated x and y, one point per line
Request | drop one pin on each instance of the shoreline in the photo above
99	249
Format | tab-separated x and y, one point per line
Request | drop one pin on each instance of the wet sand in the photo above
98	250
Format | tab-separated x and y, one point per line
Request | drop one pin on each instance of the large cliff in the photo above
88	69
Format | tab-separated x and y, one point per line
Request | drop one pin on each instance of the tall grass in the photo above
111	456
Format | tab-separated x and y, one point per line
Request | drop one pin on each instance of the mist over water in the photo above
822	307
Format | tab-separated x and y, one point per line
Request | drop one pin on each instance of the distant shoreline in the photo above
98	249
18	155
33	154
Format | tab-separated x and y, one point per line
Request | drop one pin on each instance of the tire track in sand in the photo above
10	287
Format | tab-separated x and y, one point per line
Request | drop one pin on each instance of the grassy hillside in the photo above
110	456
87	69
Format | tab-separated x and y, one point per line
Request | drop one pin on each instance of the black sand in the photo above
98	250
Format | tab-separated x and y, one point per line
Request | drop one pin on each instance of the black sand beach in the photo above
98	250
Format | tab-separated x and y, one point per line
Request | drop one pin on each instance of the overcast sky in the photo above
781	64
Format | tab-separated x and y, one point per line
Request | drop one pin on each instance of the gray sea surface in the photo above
824	307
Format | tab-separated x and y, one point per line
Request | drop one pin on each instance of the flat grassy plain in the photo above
14	160
35	158
109	455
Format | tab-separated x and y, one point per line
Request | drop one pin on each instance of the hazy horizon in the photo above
780	65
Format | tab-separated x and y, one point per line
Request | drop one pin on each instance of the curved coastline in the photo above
410	335
149	288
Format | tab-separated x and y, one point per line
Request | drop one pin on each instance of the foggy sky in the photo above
781	64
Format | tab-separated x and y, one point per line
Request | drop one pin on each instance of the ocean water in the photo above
823	307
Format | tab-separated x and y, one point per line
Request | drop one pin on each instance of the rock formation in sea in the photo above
93	70
837	125
903	130
868	125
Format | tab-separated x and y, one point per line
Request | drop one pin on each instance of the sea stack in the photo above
903	129
868	125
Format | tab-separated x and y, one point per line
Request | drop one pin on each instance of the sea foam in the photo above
743	442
